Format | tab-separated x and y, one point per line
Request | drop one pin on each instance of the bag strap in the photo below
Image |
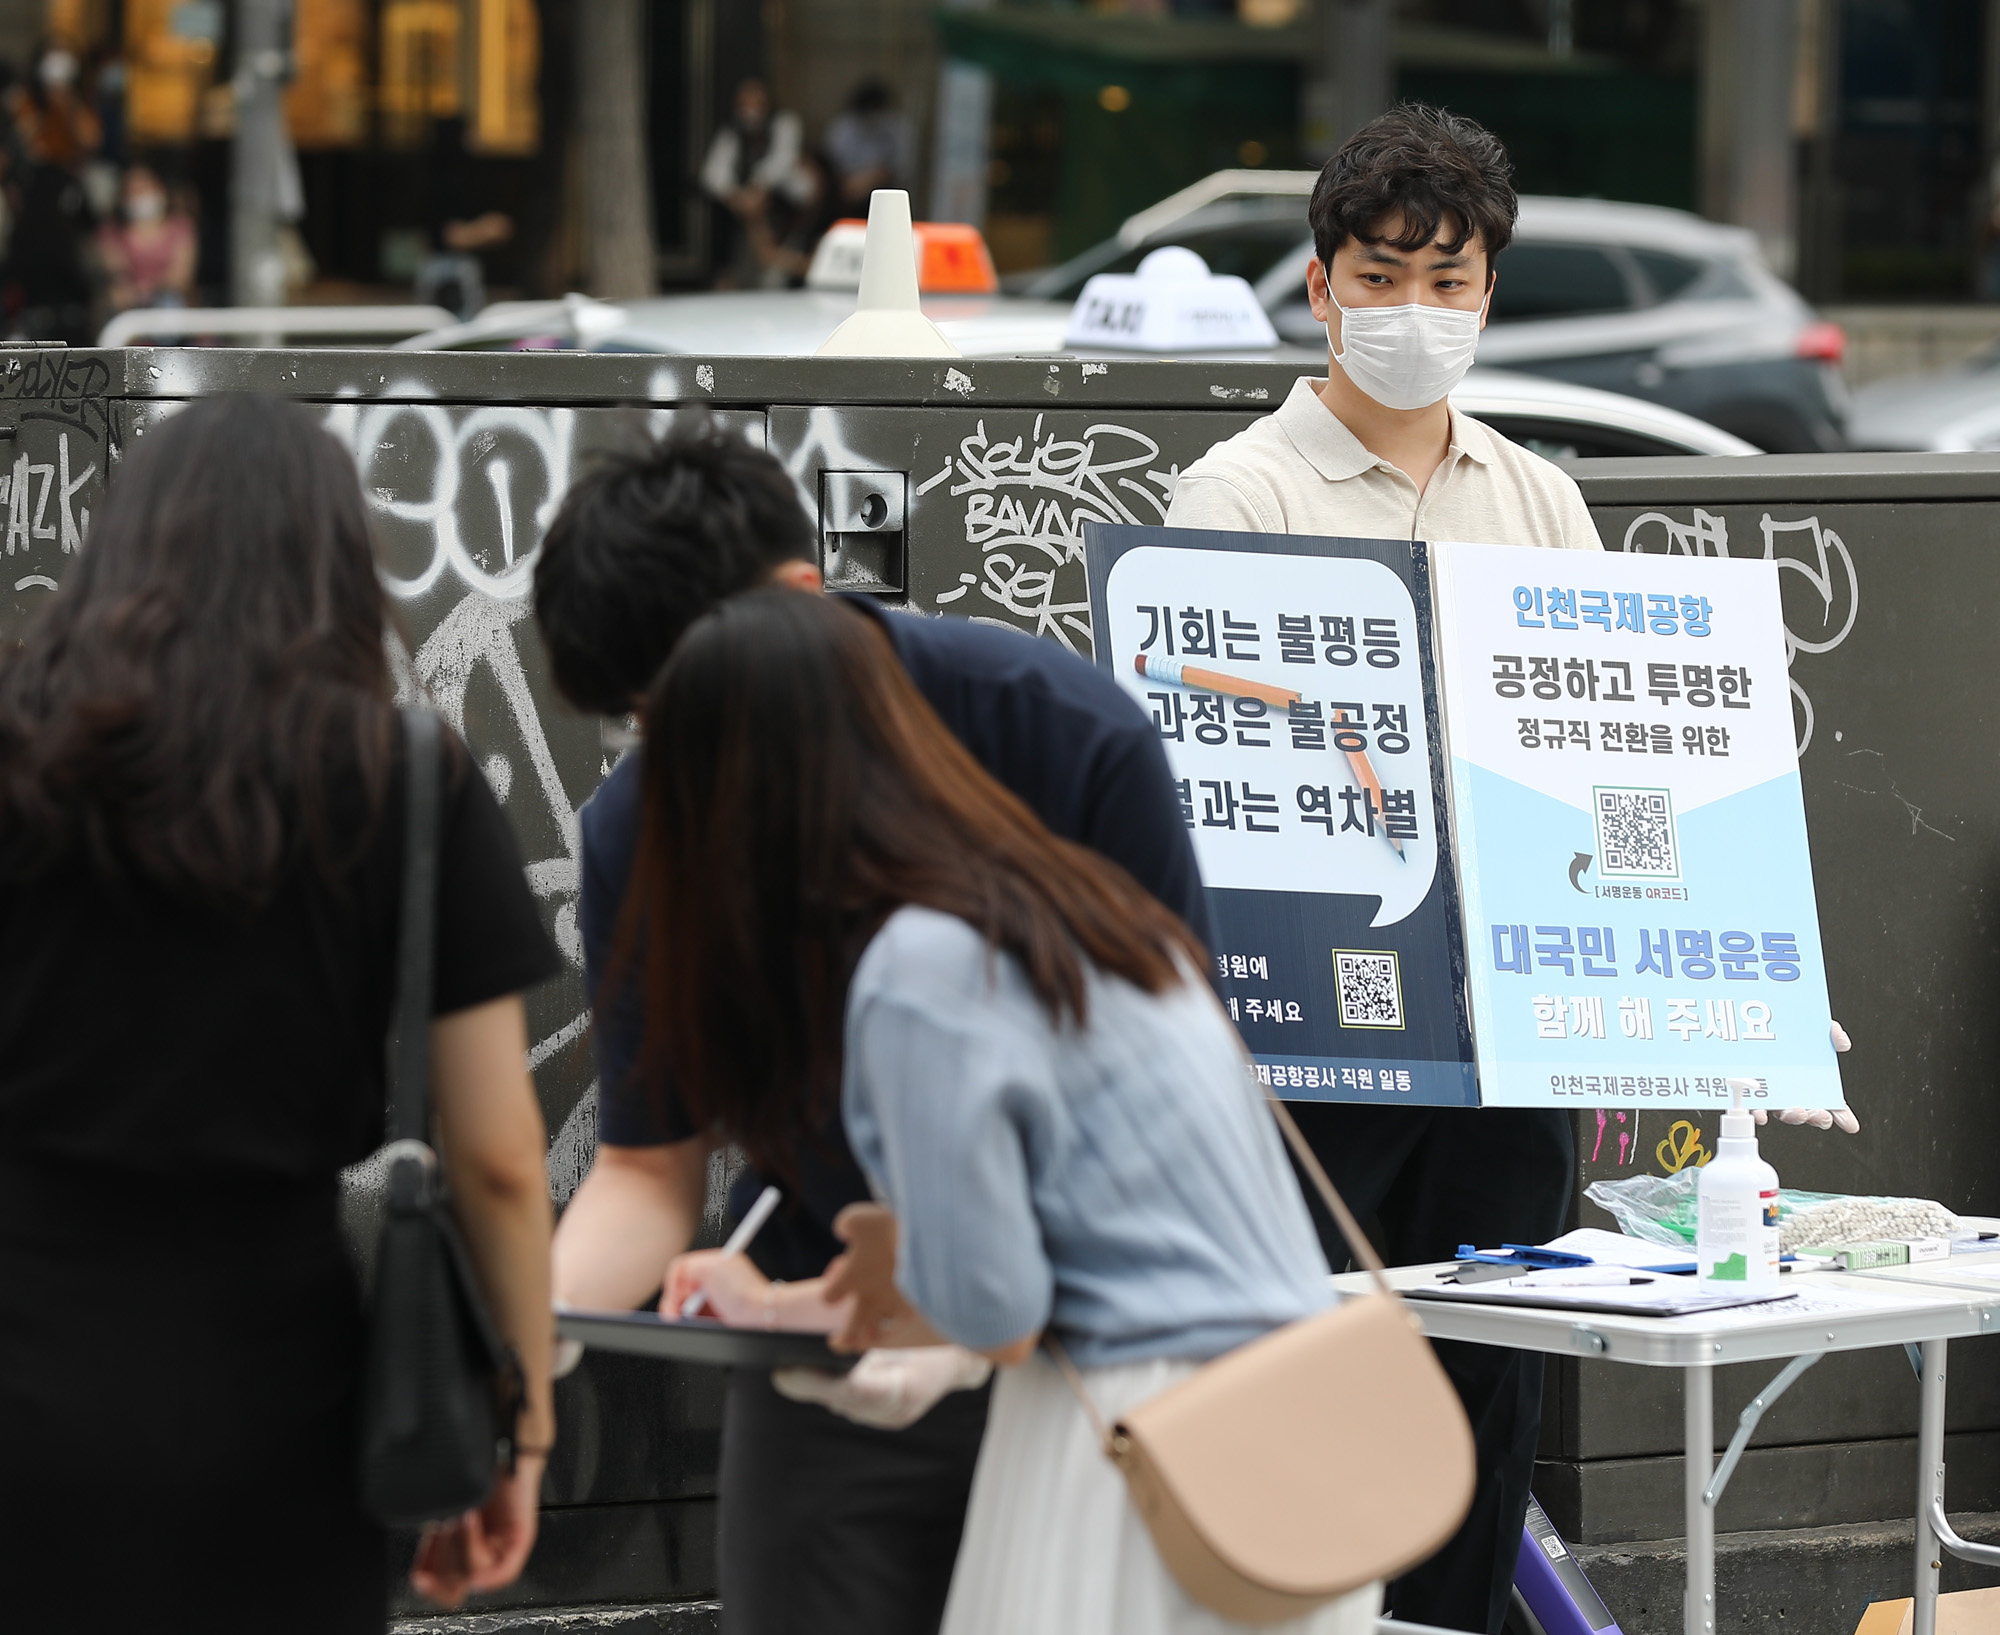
416	940
1363	1251
1350	1229
1107	1438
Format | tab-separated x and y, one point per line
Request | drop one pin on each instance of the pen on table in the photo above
739	1240
1155	667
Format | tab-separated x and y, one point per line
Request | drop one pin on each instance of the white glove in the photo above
887	1389
1821	1118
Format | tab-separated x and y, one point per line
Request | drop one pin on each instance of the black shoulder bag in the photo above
441	1394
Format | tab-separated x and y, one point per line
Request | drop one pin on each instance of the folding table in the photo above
1829	1312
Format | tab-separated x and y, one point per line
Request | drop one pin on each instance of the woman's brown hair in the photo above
186	708
799	790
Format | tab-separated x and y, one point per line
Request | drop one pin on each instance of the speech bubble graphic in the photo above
1279	797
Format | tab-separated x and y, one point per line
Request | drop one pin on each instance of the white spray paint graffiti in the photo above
1027	499
26	490
1803	547
477	636
457	447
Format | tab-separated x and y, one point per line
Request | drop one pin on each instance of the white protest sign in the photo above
1639	911
1275	801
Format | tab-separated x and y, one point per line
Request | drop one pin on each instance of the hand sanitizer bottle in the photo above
1736	1219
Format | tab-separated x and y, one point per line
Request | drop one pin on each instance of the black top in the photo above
138	1035
1050	726
178	1090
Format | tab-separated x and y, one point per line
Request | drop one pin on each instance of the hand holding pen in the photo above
739	1240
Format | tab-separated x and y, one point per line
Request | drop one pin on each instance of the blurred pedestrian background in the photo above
48	281
148	247
868	144
754	170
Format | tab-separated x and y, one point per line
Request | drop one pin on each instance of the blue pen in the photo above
1521	1254
1547	1257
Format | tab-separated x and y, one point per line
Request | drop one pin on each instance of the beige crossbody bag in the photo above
1328	1454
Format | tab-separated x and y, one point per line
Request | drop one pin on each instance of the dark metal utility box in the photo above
960	489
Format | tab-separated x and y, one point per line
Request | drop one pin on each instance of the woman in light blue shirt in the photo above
843	908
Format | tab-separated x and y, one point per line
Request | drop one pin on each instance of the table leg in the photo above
1930	1481
1698	1612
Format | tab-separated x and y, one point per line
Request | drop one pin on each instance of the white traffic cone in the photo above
888	322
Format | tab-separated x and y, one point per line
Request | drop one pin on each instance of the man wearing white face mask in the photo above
1408	219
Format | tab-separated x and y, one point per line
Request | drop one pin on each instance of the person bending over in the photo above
846	914
827	1525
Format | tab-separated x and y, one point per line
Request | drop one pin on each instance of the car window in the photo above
1669	275
1575	440
1558	281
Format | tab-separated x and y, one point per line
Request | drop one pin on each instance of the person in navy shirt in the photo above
828	1524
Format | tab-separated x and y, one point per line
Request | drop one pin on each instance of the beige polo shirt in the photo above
1300	471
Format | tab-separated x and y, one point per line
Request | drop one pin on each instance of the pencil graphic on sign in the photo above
1157	667
1364	769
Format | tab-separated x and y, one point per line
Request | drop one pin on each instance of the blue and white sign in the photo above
1640	922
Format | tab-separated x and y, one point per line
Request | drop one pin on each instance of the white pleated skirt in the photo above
1053	1545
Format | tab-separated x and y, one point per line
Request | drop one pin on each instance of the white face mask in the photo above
1406	357
146	206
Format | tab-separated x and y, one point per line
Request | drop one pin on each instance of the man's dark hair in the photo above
1445	178
649	541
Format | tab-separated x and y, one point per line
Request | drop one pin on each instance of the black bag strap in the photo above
416	943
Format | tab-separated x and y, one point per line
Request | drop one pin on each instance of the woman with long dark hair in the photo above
847	917
200	855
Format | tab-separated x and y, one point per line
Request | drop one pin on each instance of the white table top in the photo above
1830	1312
1973	1273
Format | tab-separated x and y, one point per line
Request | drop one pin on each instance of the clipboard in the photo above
700	1340
1665	1300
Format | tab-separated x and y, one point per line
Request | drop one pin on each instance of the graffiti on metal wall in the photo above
1808	555
461	499
1027	496
74	387
40	499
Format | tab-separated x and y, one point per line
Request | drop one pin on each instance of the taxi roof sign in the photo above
1173	303
952	258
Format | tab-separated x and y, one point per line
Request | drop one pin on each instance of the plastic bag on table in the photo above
1656	1208
1661	1209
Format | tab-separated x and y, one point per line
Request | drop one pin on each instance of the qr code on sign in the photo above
1635	833
1371	989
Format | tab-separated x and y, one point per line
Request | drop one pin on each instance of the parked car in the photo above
736	323
1637	299
959	292
955	283
1552	417
1948	410
1561	421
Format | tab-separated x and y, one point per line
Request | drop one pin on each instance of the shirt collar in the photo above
1473	438
1325	443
